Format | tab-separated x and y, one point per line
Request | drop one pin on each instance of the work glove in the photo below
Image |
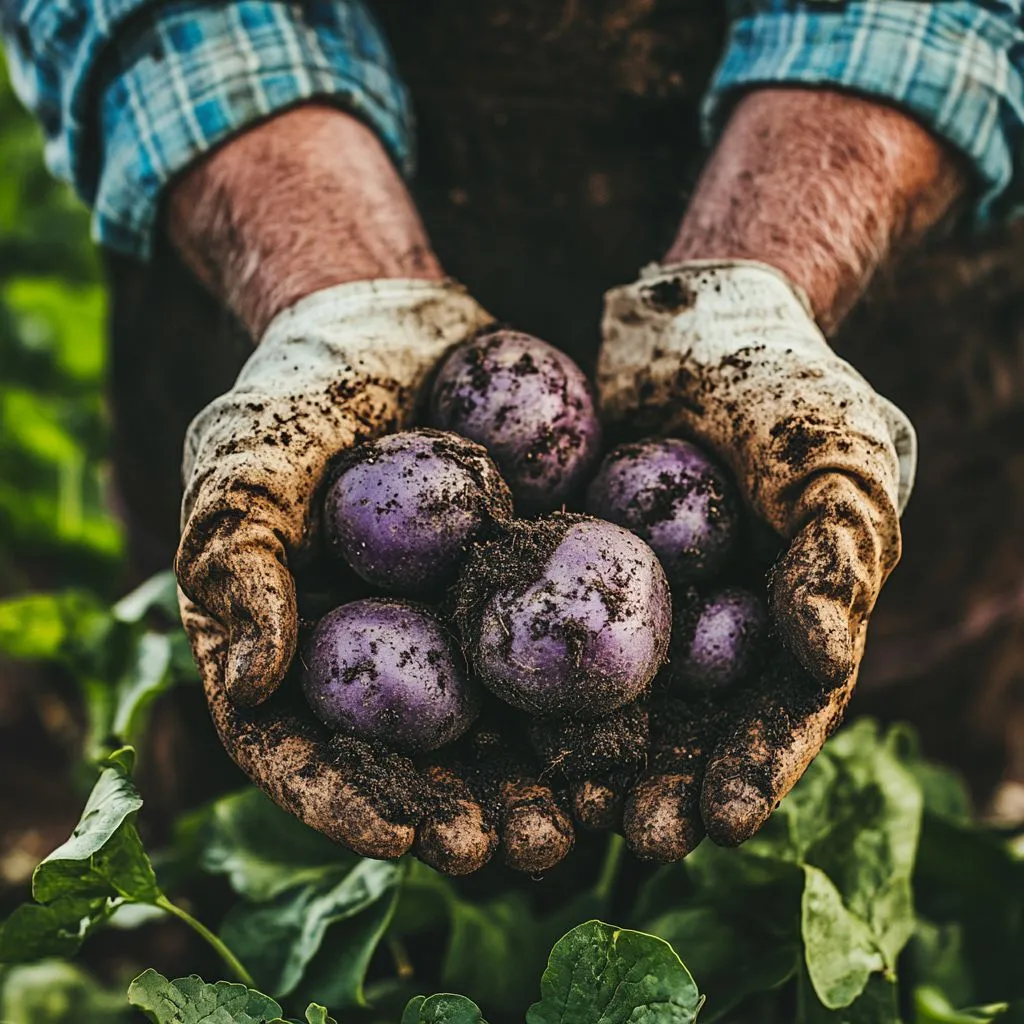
340	367
728	354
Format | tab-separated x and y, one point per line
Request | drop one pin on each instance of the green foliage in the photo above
192	1001
54	501
123	657
57	992
598	974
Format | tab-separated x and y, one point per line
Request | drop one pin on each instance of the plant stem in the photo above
610	867
403	965
197	926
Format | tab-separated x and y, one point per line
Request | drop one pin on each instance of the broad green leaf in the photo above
147	676
877	1004
265	851
277	939
104	856
599	974
57	992
732	959
33	931
932	1007
193	1001
838	946
338	971
442	1009
80	884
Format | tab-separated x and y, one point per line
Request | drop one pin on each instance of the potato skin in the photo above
670	493
402	510
384	670
529	405
566	615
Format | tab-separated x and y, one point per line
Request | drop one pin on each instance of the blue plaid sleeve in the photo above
955	65
129	92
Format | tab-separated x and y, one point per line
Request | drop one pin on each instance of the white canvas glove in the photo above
340	367
728	353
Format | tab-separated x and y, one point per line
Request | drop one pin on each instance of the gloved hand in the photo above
339	367
728	354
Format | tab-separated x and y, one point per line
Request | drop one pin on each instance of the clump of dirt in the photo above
580	750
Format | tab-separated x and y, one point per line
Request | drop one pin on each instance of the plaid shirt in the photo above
130	91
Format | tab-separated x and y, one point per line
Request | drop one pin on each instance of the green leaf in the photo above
732	958
193	1001
599	974
838	946
442	1009
158	593
265	851
495	948
80	884
33	931
104	856
277	939
57	992
932	1007
316	1014
148	675
877	1004
338	971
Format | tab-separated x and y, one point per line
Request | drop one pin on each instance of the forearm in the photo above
302	202
822	185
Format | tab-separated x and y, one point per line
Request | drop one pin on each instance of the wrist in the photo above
302	202
823	186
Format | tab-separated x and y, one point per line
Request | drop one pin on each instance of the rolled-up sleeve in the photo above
130	92
957	66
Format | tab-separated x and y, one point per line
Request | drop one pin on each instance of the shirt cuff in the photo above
947	64
195	73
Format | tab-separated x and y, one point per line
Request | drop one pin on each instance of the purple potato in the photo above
382	669
529	405
671	494
716	641
566	615
403	509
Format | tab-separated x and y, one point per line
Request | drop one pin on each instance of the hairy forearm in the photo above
822	185
304	201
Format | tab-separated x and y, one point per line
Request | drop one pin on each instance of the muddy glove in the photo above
728	354
340	367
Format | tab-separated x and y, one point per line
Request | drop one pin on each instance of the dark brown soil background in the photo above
558	142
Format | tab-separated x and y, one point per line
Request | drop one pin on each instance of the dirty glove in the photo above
340	367
728	354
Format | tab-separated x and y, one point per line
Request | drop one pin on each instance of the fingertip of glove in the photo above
254	671
457	846
596	805
733	808
537	833
661	822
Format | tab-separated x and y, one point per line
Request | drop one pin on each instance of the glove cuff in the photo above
755	274
343	302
